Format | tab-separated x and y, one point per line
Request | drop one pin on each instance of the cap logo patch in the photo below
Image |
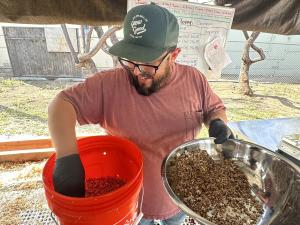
138	25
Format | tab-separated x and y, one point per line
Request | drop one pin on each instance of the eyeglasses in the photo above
147	71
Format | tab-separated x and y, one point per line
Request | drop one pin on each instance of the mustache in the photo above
156	84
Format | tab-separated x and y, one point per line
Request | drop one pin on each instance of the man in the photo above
151	100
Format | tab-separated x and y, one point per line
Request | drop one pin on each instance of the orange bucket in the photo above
101	156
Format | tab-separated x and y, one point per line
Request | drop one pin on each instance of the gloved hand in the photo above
219	130
69	176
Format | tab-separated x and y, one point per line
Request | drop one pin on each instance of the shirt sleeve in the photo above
211	101
87	99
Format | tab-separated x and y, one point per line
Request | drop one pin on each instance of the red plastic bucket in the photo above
101	156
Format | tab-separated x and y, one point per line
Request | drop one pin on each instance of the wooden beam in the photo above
28	144
25	144
27	150
26	155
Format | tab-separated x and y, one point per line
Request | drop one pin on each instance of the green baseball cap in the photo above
149	30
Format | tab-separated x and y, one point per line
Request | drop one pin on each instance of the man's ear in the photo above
174	54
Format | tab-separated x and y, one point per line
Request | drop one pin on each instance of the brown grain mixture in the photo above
216	190
102	185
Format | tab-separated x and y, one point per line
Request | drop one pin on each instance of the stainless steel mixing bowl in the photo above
273	179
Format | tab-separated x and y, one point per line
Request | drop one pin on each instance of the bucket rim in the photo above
107	195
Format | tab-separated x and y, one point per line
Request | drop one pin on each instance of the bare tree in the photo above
105	47
85	59
247	61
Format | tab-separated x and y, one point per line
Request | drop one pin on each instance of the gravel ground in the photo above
22	199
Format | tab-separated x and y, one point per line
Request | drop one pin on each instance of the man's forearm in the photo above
221	114
61	123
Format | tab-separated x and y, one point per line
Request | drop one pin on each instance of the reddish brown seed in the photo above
102	185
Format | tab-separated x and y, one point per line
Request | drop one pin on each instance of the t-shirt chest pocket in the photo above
193	123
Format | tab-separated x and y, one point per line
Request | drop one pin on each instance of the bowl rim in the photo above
180	203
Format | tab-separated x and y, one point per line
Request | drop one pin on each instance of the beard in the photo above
155	86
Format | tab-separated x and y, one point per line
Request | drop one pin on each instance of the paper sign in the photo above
215	56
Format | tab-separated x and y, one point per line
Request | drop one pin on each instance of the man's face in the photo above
156	78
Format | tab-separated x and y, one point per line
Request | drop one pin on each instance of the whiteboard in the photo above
198	25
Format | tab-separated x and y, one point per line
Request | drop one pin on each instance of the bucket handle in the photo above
141	214
53	218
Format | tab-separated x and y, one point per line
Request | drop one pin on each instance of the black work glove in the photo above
219	130
69	176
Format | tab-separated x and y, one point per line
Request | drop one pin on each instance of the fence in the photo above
281	63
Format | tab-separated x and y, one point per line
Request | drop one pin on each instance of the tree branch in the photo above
83	37
246	34
100	32
99	45
246	57
250	43
67	37
88	39
261	53
113	38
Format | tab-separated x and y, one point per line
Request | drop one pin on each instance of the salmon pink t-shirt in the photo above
156	123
